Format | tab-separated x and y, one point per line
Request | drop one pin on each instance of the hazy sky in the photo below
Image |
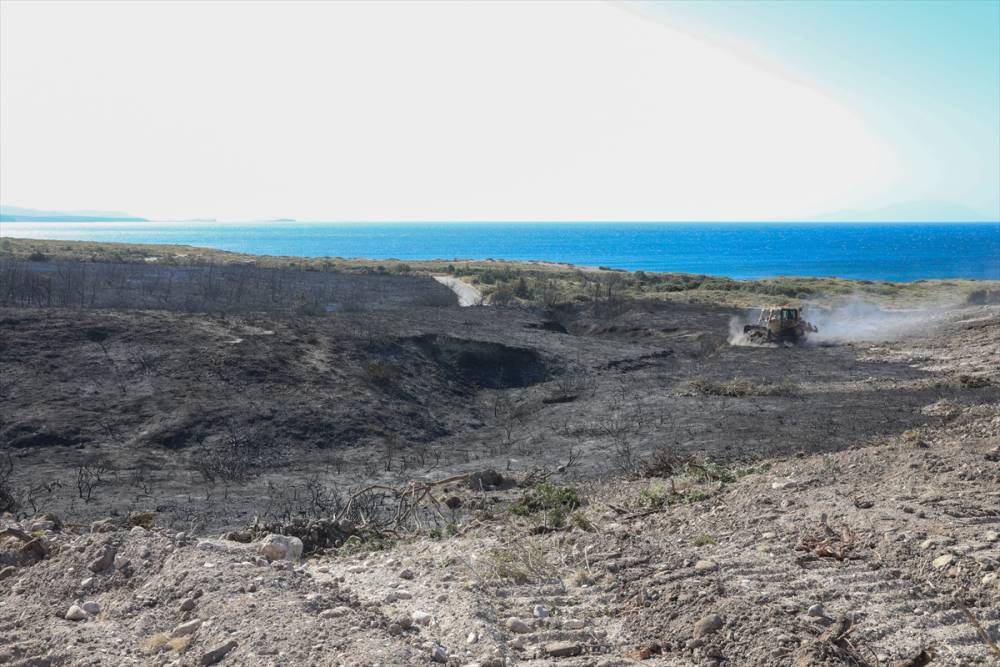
499	111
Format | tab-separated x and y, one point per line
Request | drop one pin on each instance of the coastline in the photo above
893	252
568	280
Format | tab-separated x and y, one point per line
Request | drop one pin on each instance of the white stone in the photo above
75	613
187	628
421	617
943	561
280	547
540	611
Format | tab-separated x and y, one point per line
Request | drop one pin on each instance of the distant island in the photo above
18	214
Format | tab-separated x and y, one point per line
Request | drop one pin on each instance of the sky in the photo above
502	110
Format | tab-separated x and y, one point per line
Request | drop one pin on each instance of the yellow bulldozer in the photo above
779	325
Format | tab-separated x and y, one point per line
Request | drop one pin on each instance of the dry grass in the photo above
179	644
156	642
740	387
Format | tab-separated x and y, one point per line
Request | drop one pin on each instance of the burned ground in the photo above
603	482
228	288
203	416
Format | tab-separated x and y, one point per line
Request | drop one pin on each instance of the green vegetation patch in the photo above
740	387
545	497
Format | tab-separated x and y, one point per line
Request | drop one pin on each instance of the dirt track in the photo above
467	294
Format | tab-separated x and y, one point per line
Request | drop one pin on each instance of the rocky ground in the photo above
601	482
893	546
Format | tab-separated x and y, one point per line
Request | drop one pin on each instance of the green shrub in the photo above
546	497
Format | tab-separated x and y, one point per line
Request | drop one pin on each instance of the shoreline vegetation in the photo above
509	282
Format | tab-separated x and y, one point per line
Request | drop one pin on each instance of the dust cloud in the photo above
860	320
856	320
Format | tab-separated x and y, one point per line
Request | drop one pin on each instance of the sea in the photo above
864	251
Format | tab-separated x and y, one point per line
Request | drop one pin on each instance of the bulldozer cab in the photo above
778	317
778	325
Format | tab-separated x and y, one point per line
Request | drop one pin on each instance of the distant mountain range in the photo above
19	214
922	211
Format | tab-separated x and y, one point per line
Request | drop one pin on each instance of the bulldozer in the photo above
779	325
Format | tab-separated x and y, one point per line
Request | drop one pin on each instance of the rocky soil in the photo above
898	542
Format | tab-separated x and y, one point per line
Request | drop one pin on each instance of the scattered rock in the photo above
102	526
574	624
817	610
421	617
986	562
104	560
8	571
706	566
472	638
647	651
336	612
540	611
218	653
784	484
188	604
404	621
280	547
563	649
186	628
75	613
943	561
708	625
517	625
406	574
91	607
439	653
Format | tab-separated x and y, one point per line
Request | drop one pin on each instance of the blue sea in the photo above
872	251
